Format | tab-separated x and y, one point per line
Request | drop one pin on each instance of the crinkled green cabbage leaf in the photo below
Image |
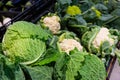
24	42
92	69
79	66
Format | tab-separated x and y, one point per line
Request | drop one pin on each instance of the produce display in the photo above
75	42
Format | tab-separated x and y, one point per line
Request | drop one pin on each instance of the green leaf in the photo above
19	73
40	72
60	67
88	37
101	7
24	42
115	32
116	12
74	64
0	48
75	2
106	17
112	4
92	69
50	56
9	71
65	1
74	20
115	24
9	3
68	65
86	5
105	48
80	20
79	29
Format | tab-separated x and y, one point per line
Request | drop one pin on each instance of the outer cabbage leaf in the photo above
74	65
51	55
25	51
22	29
9	71
79	66
24	42
67	66
88	37
40	72
92	69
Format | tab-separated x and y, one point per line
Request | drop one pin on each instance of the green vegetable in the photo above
24	42
39	72
72	67
88	37
92	69
73	10
32	52
100	41
51	55
10	71
67	66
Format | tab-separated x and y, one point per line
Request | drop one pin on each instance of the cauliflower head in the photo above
103	35
52	22
67	45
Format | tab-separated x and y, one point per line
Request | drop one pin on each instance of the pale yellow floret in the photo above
69	44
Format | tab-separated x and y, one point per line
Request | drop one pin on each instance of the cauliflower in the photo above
103	35
52	23
6	20
67	45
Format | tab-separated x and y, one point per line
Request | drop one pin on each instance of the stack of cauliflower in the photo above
92	40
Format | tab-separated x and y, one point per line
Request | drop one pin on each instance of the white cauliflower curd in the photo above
6	20
103	35
67	45
53	23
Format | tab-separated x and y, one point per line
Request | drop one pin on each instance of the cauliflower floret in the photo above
103	35
6	20
53	23
69	44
